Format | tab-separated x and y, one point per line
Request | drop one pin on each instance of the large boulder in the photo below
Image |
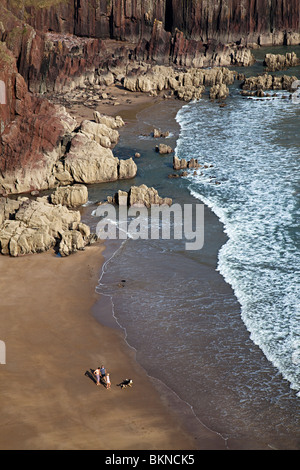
88	162
127	169
70	196
101	133
144	196
36	226
219	91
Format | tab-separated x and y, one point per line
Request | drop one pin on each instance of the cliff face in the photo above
268	21
43	35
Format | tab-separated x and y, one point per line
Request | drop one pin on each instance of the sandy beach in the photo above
53	342
47	401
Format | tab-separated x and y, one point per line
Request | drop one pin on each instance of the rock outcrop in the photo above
186	85
34	226
59	44
269	82
41	146
274	62
70	196
32	132
219	91
163	149
139	196
157	133
182	163
88	162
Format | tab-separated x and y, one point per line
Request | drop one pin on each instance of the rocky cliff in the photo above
53	40
264	21
55	45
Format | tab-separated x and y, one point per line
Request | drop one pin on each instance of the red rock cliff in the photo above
267	21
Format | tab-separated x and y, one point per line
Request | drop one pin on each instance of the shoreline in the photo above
47	400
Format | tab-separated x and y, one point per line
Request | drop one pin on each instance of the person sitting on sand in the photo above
97	373
107	381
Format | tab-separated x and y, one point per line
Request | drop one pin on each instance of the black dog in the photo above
126	383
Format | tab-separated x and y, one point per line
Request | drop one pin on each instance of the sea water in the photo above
231	350
254	147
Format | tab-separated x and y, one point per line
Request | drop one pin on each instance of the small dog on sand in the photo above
126	383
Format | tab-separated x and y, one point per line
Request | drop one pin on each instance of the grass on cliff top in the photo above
37	3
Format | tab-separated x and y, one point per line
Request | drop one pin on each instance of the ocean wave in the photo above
255	156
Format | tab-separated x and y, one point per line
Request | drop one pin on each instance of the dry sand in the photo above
52	339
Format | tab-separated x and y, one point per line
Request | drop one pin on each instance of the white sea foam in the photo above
254	150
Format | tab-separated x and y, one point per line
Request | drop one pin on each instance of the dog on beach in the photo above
126	383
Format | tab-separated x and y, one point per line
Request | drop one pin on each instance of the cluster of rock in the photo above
82	155
192	164
89	94
30	226
185	84
157	133
268	82
163	149
274	62
139	196
182	163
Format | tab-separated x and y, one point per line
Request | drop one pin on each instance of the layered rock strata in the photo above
56	54
265	22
